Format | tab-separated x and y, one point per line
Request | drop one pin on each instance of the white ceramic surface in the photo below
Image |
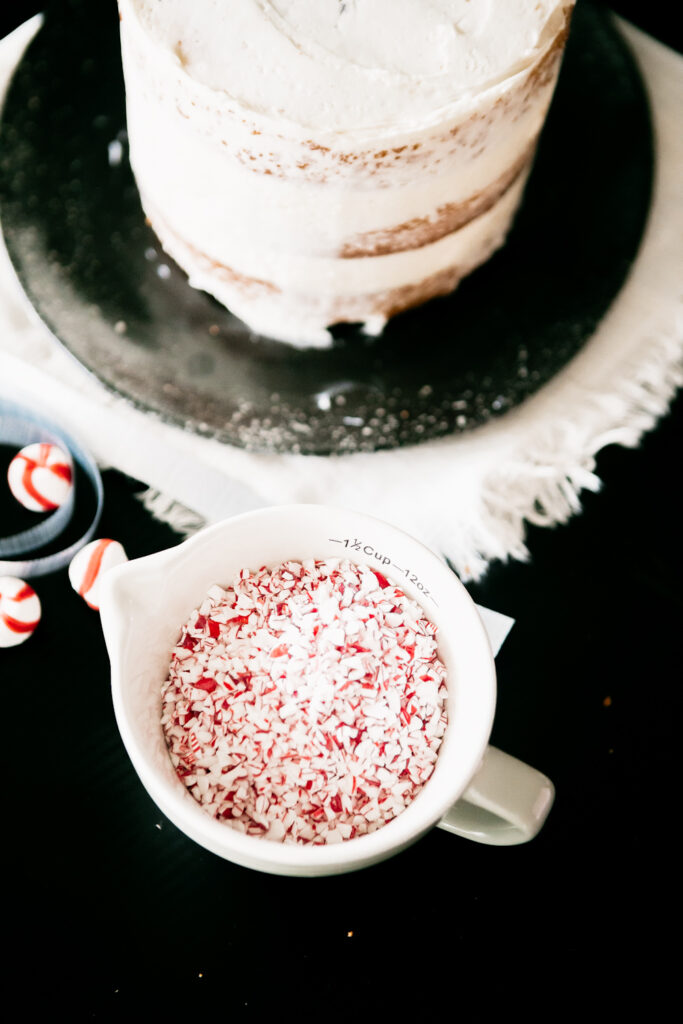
144	603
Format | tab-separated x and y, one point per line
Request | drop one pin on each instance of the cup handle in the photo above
505	803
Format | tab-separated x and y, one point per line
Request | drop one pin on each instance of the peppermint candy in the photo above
19	611
88	566
40	477
306	703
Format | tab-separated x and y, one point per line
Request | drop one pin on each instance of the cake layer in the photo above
449	217
322	203
314	293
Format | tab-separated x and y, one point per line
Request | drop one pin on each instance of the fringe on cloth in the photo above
169	511
542	484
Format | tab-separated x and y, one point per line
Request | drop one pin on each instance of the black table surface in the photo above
108	910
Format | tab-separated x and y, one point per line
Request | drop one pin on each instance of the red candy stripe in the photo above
93	566
19	627
59	469
19	611
62	470
27	481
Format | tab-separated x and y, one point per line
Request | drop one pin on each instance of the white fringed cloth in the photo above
468	497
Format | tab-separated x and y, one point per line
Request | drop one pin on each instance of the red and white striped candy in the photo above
19	611
306	703
88	566
40	477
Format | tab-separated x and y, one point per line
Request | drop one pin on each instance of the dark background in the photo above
661	18
109	911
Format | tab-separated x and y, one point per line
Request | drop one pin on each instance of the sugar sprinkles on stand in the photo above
306	703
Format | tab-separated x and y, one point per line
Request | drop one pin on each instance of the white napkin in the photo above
467	497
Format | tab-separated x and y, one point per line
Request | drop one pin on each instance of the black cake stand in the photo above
97	276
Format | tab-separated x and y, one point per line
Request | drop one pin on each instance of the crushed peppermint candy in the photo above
306	703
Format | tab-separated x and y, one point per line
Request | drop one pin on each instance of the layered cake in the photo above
311	162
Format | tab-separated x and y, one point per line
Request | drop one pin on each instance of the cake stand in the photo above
97	277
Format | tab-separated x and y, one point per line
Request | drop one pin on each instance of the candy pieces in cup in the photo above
504	801
340	669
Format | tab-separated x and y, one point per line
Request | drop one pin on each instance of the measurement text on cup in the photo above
357	544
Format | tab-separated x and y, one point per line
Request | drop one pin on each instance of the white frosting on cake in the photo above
272	138
347	66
